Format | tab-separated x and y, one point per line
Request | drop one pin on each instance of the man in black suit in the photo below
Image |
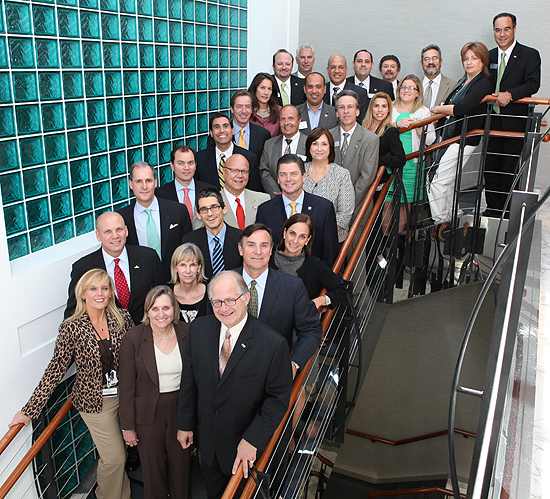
291	175
314	112
337	70
211	209
389	68
237	379
519	70
154	222
184	187
210	161
140	266
362	66
291	88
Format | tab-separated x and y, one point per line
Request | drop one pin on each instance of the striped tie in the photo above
217	257
501	68
220	170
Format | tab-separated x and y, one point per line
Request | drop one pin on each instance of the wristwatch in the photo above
328	301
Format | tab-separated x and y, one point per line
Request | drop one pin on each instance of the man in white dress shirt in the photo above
436	86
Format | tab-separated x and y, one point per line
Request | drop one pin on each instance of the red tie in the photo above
240	214
121	284
187	202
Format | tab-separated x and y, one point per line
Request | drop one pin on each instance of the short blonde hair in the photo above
418	103
185	252
151	298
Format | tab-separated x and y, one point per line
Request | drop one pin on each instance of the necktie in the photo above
501	68
242	142
240	214
121	285
220	170
217	257
253	303
336	90
293	206
288	142
361	84
225	352
152	234
284	95
344	148
428	95
187	202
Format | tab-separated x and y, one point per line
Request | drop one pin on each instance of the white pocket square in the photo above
173	225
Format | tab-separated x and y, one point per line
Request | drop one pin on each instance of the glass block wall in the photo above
87	87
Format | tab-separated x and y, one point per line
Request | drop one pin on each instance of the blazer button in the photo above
216	413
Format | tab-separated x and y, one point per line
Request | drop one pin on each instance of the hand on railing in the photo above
19	418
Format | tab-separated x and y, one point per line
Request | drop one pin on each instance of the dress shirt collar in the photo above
237	131
366	83
280	83
342	132
227	153
261	282
508	51
179	187
154	206
235	331
299	200
231	200
436	81
310	110
108	259
220	236
293	145
341	87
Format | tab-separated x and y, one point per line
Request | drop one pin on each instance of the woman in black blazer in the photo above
151	360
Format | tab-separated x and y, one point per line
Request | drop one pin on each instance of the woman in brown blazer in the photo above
151	359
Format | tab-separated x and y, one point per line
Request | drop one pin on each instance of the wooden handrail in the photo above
35	449
9	436
408	440
420	490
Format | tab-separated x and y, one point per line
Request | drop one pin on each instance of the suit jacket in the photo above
297	94
146	272
138	375
248	401
361	92
207	167
268	164
174	224
361	159
168	190
375	85
231	257
445	87
252	200
327	119
325	244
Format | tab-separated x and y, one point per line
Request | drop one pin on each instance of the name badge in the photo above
337	143
493	66
303	124
110	392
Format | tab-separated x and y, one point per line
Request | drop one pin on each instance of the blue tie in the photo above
217	257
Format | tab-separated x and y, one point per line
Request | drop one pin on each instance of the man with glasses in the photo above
216	240
436	86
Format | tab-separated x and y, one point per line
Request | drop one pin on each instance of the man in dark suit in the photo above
389	68
291	88
314	112
210	161
211	209
237	379
362	66
154	222
305	59
140	267
291	174
184	187
337	70
519	69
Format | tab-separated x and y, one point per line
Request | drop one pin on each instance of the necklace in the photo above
165	338
97	325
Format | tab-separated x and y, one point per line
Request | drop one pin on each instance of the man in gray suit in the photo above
291	142
356	148
241	203
314	112
436	86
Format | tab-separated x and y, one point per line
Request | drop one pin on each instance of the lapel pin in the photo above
173	225
243	345
136	266
309	207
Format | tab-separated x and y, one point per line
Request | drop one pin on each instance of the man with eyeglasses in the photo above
216	240
236	379
436	86
242	203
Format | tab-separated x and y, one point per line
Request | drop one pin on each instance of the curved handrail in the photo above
396	443
9	436
420	490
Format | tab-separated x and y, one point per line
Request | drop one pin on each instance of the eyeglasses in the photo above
435	58
229	302
205	209
236	171
410	89
506	30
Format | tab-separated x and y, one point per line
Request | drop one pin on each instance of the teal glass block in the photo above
128	6
148	108
244	3
164	129
202	123
161	31
177	103
177	128
202	80
159	8
164	152
212	35
96	112
44	20
163	105
7	122
21	52
175	32
242	59
114	110
60	205
147	82
119	189
38	212
75	115
74	2
15	219
116	137
58	177
212	17
3	52
145	29
224	16
242	78
41	239
149	131
176	81
34	182
191	142
234	59
109	27
224	58
5	88
188	57
190	103
174	9
1	21
188	10
93	83
89	24
129	55
188	33
84	223
98	140
189	80
63	231
56	148
90	4
11	187
72	85
18	246
128	28
165	174
133	134
224	79
113	83
78	145
224	99
202	101
234	78
117	163
111	5
161	56
243	40
200	12
131	107
102	194
202	142
212	58
200	34
52	117
18	18
134	155
82	200
163	81
150	156
146	56
234	38
190	125
49	85
213	101
201	57
224	37
46	54
131	82
80	174
32	152
234	18
9	159
243	18
70	54
176	57
111	55
144	7
234	3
